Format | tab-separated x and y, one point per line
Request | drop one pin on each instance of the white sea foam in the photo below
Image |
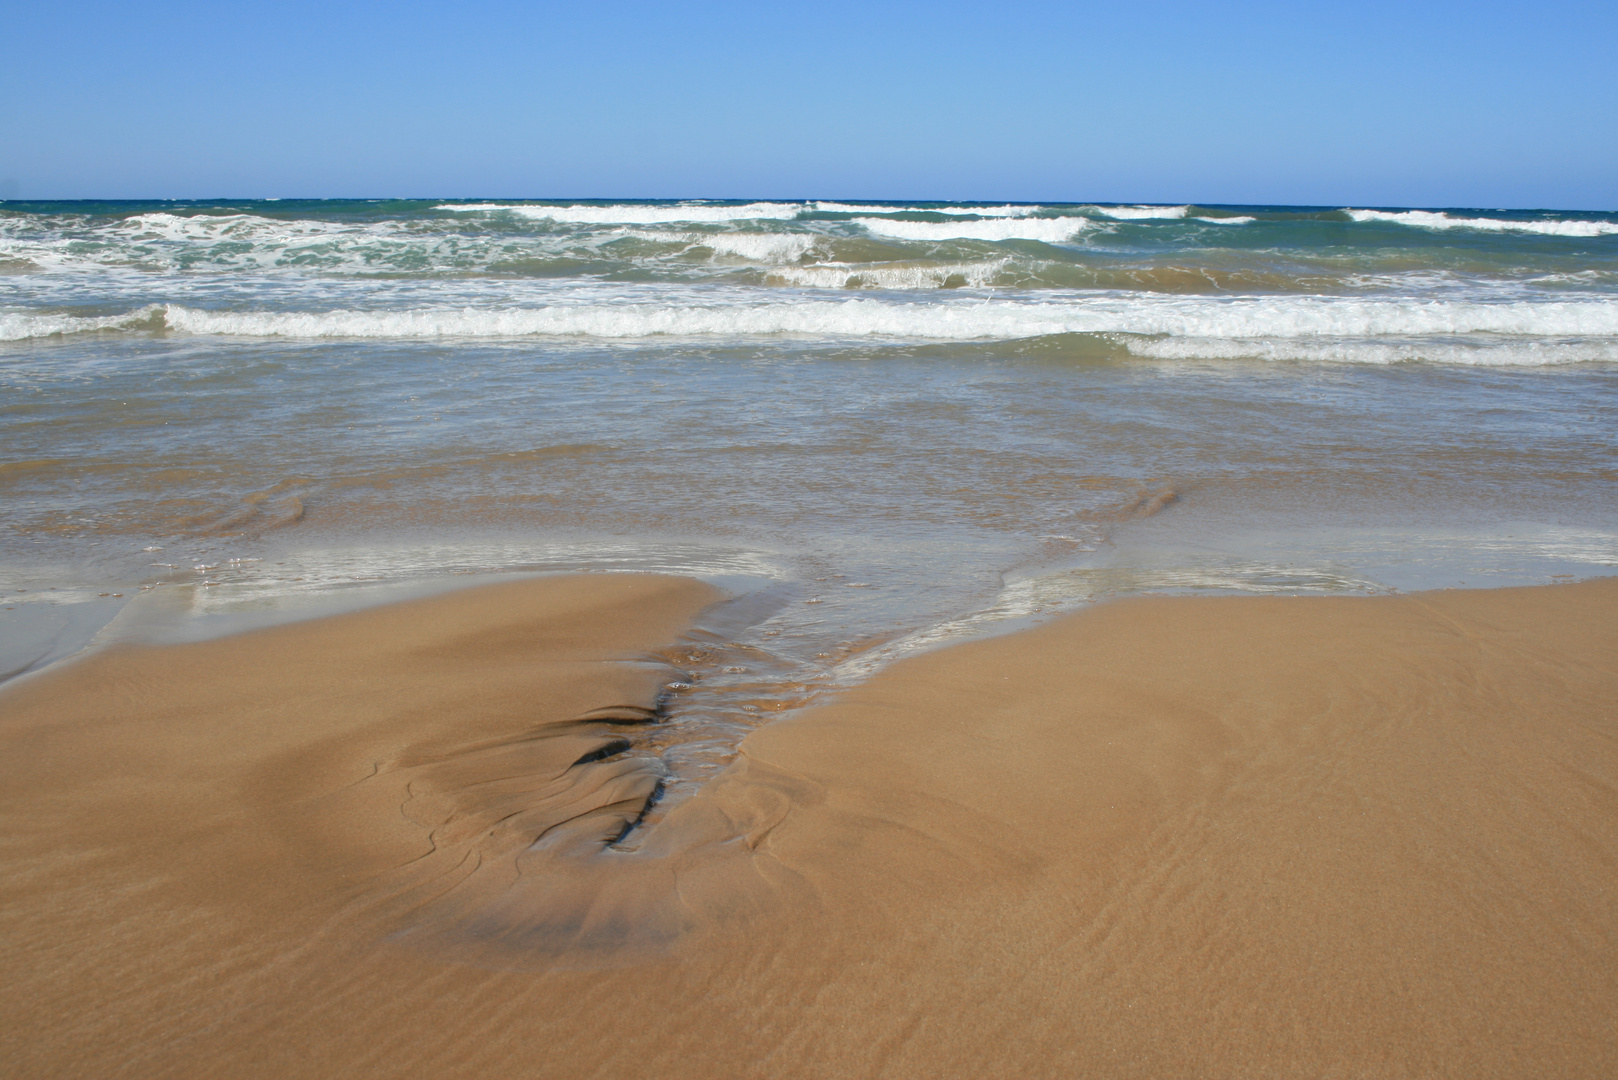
20	327
1050	230
635	213
1007	211
1321	323
1429	219
158	239
887	276
204	242
1132	213
1507	353
1227	220
757	247
252	589
842	318
1066	590
240	227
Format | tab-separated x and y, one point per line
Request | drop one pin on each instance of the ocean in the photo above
880	425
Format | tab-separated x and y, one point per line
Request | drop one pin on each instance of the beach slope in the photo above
1167	837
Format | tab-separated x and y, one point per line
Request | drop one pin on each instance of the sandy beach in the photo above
1164	837
874	542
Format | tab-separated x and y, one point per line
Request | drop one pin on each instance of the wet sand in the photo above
1167	837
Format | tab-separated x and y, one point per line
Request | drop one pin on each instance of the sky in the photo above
1481	104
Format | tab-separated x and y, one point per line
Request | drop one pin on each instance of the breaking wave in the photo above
866	276
1432	219
1050	230
1197	326
750	246
1007	211
245	227
19	327
635	214
1141	213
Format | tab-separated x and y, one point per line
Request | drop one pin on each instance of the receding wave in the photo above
1320	319
1477	353
1050	230
636	214
1431	219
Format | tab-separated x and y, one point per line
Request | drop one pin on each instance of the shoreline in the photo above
1161	836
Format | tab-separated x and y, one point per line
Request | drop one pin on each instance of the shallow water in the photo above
880	426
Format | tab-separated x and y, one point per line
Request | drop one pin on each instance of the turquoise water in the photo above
881	425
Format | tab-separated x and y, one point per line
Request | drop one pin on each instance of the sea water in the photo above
880	426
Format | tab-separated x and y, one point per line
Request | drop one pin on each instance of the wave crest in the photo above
1321	319
635	214
1049	230
1142	213
1007	211
1431	219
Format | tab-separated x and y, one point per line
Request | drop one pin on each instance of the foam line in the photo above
1050	230
968	211
1142	213
1428	219
1321	319
635	214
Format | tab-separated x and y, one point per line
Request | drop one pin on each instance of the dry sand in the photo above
1165	838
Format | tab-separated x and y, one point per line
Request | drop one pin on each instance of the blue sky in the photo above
1482	104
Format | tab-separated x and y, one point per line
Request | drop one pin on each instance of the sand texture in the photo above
1168	837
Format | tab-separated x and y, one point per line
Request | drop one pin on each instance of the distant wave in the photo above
972	211
251	227
1148	249
963	319
1133	213
635	214
1429	219
1050	230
